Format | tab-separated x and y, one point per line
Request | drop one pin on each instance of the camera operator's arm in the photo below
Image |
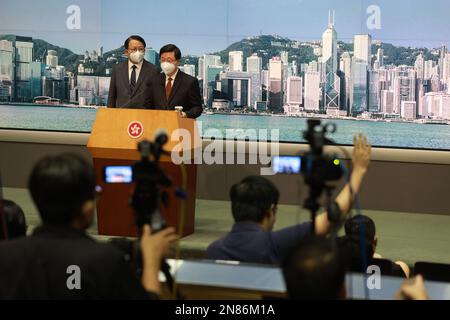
361	161
153	247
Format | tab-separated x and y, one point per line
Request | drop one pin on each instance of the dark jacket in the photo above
248	242
185	92
36	267
120	95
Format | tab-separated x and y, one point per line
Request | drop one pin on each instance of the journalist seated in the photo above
254	206
315	269
361	225
16	225
59	260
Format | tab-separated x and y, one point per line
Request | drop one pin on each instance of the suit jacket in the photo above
185	92
119	88
36	267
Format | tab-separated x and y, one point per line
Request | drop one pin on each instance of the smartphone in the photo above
287	164
118	174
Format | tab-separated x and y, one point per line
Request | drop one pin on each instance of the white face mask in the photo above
137	57
167	67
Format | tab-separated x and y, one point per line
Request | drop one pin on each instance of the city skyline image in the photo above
355	60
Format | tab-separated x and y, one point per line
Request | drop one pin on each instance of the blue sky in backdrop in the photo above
202	26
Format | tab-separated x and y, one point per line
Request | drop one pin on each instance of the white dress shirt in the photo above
130	69
172	76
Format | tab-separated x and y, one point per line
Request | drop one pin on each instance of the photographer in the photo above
59	260
254	205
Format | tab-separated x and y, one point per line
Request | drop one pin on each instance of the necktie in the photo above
168	87
133	78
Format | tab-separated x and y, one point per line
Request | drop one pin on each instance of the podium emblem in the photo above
135	129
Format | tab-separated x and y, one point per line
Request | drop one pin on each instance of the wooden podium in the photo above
113	141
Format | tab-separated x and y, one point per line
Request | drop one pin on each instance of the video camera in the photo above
313	165
316	167
149	180
147	197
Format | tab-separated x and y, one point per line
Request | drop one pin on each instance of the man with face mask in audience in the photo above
174	88
130	85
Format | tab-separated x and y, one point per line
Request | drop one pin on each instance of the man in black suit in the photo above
59	260
131	80
173	88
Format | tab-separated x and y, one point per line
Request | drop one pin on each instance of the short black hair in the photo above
134	37
357	258
60	185
314	269
354	226
171	48
252	197
15	219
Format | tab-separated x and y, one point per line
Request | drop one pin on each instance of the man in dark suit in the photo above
59	260
131	80
173	88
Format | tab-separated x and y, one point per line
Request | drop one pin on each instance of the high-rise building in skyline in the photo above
362	48
345	67
151	56
408	110
387	101
189	69
275	68
23	57
312	91
437	105
294	90
265	85
235	59
284	55
446	69
6	60
243	89
294	68
201	68
213	77
6	70
52	58
313	66
254	64
275	83
359	90
37	70
330	79
404	90
209	61
380	57
374	91
419	65
329	45
442	53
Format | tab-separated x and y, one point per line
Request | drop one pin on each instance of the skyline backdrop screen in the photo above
377	67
